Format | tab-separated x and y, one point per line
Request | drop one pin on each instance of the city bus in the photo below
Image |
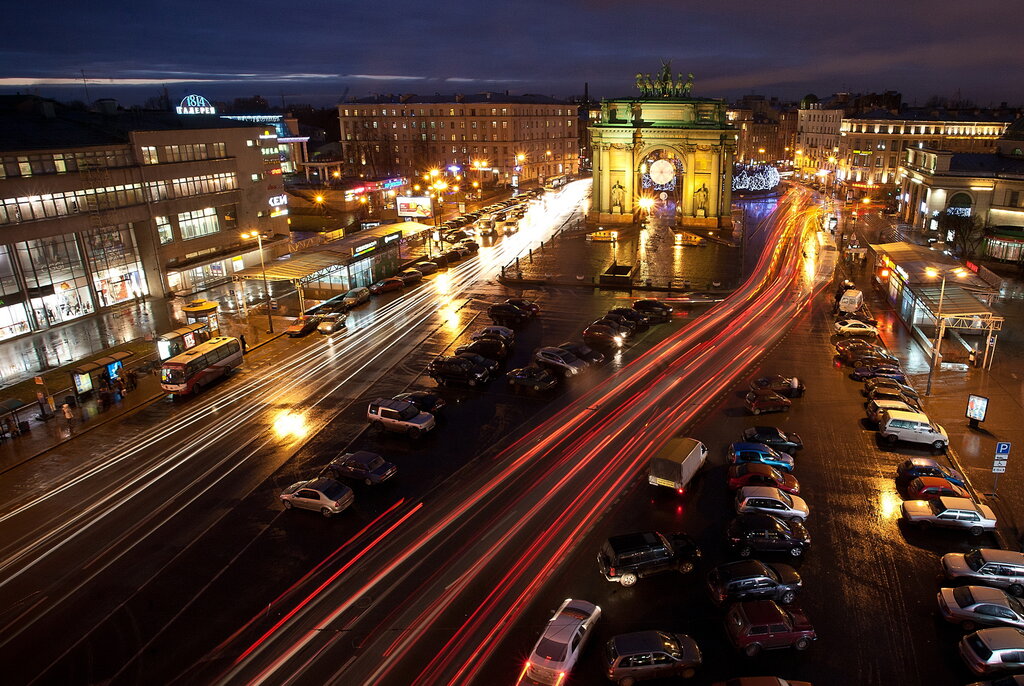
555	183
195	369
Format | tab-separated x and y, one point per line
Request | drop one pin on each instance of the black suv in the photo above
528	306
753	580
629	557
506	314
765	533
446	370
654	310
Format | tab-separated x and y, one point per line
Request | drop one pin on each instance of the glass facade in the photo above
56	283
115	265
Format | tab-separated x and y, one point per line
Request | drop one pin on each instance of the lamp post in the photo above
263	266
439	187
940	327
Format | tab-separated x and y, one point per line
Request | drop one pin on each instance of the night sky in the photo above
315	52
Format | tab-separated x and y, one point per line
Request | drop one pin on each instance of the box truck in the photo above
676	462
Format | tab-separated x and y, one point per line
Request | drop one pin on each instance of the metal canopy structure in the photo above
302	267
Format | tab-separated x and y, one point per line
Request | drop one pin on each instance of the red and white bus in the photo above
194	369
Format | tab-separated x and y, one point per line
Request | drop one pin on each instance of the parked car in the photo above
507	315
453	255
884	370
854	327
330	323
753	580
470	245
370	468
787	386
603	337
859	348
761	681
559	647
873	409
979	606
889	393
950	513
326	496
860	317
881	382
644	655
773	437
741	452
844	344
994	650
932	487
356	297
502	333
769	500
625	326
913	427
487	363
763	533
871	358
758	474
399	416
425	401
303	325
583	352
410	276
532	377
426	268
913	467
492	348
989	566
451	369
655	310
525	305
559	360
759	402
641	322
392	283
629	557
756	625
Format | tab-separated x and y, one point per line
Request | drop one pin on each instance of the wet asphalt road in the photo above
869	585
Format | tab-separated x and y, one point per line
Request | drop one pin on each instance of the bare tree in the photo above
967	232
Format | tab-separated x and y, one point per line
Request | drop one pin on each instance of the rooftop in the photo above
458	99
939	115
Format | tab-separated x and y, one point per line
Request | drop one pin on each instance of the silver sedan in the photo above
977	606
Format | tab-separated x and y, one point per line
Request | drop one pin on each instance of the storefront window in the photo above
56	279
115	264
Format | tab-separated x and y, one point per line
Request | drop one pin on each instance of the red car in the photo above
763	400
934	487
755	474
390	284
757	625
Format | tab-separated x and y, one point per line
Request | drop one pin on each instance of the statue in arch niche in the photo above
700	200
618	197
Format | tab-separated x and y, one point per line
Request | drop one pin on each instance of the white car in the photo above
993	650
560	360
326	496
559	647
773	501
954	513
853	327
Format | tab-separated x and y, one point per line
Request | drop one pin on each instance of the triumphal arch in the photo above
666	154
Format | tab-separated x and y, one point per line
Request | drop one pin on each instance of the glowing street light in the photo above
940	329
263	266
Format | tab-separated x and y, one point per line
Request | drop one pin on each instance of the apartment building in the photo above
101	207
491	138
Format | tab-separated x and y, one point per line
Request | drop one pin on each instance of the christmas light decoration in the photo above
756	177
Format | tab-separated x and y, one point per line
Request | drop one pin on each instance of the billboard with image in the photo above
413	207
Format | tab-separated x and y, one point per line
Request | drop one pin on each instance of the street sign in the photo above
999	470
991	340
999	463
1003	448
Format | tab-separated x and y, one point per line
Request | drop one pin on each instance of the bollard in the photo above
531	255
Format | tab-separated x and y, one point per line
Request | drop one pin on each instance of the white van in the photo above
912	427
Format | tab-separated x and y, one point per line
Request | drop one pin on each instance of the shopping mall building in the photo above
104	206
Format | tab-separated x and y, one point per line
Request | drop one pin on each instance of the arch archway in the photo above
960	205
660	175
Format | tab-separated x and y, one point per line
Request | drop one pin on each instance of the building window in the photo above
198	223
164	231
219	150
149	155
1012	198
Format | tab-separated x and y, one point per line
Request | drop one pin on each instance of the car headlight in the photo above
618	340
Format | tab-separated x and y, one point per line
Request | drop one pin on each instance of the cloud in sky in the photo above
786	48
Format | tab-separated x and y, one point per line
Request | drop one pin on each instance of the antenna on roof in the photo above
85	83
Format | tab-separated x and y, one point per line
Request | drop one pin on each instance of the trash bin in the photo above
23	427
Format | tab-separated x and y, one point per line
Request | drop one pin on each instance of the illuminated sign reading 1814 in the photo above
195	104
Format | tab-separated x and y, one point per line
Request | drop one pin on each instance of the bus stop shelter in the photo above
83	376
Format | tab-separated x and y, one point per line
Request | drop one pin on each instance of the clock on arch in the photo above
662	172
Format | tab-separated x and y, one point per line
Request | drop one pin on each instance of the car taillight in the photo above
611	571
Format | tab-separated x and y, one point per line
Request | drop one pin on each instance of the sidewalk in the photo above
971	450
45	435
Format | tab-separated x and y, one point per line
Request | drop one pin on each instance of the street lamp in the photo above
439	187
940	328
263	266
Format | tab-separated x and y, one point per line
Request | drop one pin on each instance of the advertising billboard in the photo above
977	407
417	207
